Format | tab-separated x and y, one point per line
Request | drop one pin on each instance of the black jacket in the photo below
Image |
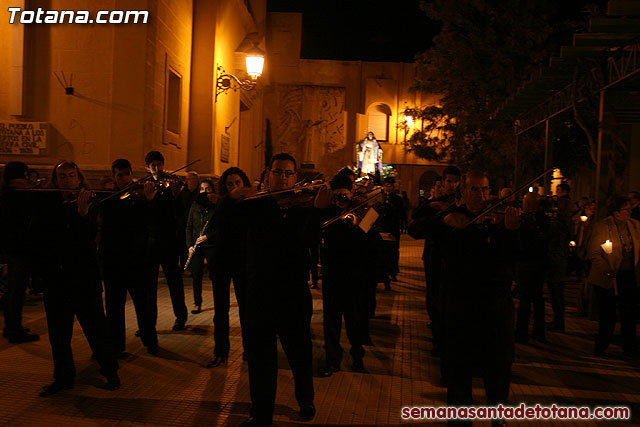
123	231
64	243
200	214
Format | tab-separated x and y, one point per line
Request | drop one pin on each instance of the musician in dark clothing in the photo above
15	215
343	281
278	298
123	239
478	311
389	225
64	236
199	233
532	268
162	246
432	253
229	263
186	197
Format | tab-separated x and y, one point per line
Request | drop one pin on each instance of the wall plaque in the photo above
23	138
225	143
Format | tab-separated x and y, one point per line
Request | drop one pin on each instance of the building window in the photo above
378	121
174	88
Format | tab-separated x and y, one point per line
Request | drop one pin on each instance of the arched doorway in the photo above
378	121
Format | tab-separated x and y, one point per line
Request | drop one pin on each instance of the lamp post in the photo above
254	62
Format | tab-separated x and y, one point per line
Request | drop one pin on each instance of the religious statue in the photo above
369	155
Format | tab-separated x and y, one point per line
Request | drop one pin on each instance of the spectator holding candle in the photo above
614	251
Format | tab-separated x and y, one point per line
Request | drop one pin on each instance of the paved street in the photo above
175	389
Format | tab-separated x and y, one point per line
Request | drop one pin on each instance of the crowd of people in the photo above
75	244
88	249
481	250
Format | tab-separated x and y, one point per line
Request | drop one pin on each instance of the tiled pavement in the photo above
175	389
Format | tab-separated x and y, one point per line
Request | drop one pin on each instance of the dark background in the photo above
390	31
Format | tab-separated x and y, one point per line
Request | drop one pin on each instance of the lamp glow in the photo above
254	66
409	120
530	189
584	218
607	247
254	61
572	243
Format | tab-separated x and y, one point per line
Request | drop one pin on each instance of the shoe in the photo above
6	334
56	386
521	338
22	337
179	325
328	371
598	351
217	361
252	422
113	382
358	366
307	412
539	337
153	349
197	310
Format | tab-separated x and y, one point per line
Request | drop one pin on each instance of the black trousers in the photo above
556	275
479	340
272	314
626	301
531	282
161	253
119	279
342	297
221	299
17	282
435	298
62	303
314	252
197	272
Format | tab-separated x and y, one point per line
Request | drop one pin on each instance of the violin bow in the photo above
377	192
143	180
499	202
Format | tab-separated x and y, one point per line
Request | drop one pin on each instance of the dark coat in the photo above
200	214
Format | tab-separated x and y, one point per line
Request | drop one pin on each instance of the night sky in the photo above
392	31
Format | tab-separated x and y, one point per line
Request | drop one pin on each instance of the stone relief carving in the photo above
310	121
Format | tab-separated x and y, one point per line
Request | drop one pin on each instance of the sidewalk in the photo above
175	389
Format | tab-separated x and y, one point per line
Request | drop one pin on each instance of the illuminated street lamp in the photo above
254	61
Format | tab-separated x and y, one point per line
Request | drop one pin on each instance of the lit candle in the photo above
607	247
584	218
572	243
